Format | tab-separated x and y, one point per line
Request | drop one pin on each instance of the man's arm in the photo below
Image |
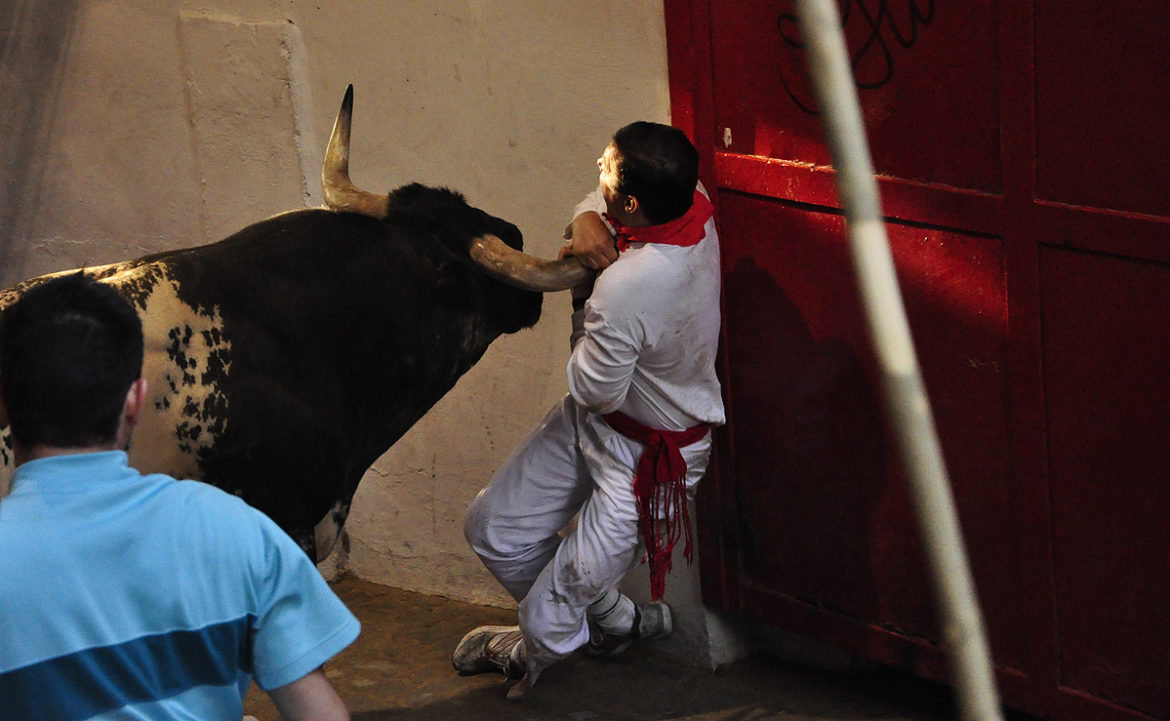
590	241
310	698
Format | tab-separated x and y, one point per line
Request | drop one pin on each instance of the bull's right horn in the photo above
340	193
515	268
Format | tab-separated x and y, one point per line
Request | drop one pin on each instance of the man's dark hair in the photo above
70	349
659	166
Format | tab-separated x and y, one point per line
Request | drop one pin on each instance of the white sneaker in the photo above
491	648
650	621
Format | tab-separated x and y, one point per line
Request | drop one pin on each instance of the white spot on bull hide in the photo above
7	467
329	528
183	347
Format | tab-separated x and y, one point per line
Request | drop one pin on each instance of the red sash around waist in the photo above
660	485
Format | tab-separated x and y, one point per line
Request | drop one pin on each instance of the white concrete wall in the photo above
132	126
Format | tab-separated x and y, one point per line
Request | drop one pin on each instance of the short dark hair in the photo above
659	166
70	348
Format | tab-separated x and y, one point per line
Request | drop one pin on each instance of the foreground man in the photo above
628	444
132	596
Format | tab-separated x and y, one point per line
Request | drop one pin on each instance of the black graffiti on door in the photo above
873	60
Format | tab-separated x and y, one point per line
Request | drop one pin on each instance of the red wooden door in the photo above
1024	166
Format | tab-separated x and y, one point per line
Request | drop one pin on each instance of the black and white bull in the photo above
285	359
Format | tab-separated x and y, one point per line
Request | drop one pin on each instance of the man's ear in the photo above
131	412
135	401
631	205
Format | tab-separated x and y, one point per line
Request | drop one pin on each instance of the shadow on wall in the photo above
35	36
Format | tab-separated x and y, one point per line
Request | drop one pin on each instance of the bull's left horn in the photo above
340	193
515	268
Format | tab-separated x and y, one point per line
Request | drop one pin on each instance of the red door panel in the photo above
827	517
932	112
1107	385
1102	99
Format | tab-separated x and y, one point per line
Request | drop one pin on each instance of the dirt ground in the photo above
400	668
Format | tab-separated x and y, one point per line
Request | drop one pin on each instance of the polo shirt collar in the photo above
72	472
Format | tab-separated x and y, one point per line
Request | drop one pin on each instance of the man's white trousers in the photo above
571	463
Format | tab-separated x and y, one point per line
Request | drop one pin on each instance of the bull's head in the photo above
499	260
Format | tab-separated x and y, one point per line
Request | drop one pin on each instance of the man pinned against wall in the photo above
626	447
129	593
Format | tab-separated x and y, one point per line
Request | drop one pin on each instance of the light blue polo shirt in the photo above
125	594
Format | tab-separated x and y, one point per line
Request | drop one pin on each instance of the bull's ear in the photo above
454	287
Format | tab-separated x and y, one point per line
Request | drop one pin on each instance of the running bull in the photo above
285	359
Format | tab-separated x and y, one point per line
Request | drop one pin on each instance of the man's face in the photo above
607	165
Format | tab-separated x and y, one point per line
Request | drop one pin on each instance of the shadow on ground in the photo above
399	668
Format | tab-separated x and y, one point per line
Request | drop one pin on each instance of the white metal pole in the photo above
905	395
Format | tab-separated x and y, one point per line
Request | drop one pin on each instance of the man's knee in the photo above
475	526
491	543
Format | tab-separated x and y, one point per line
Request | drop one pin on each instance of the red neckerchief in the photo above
685	230
660	478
